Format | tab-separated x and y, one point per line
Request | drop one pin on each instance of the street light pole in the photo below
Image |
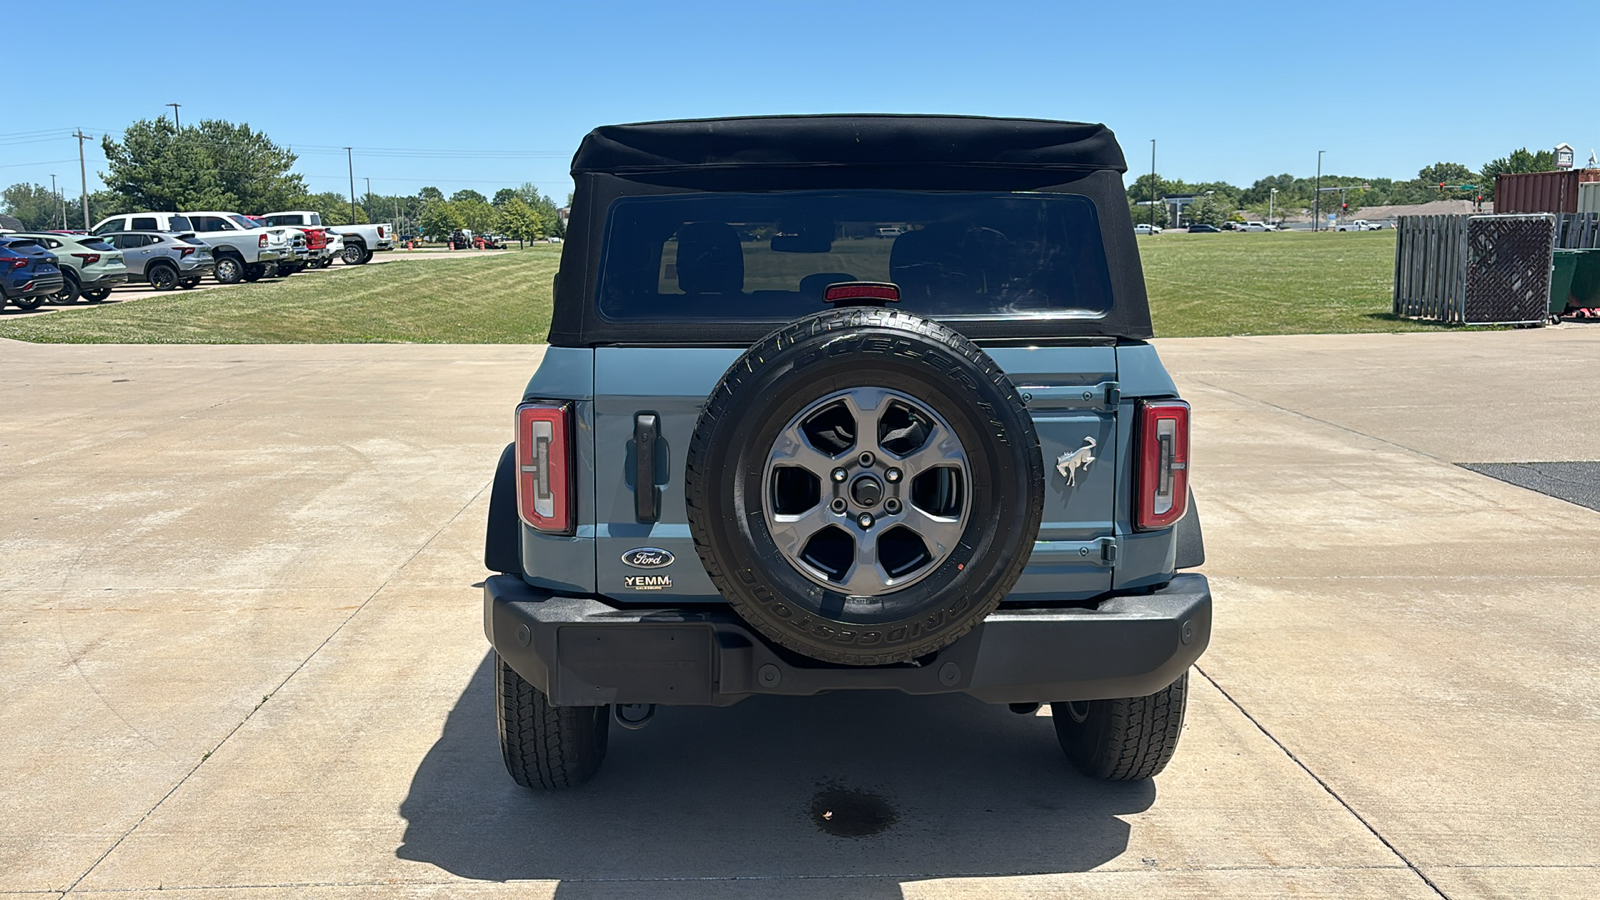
59	201
1152	185
175	123
1316	200
350	158
1272	195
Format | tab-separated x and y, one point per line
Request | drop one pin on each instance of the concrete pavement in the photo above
241	654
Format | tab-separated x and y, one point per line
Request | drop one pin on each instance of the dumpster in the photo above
1574	280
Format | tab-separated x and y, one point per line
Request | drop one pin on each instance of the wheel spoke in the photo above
866	576
867	405
940	533
942	448
792	532
793	448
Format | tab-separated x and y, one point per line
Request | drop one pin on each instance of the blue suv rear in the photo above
846	403
28	272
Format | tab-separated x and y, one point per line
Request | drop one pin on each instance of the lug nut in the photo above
840	475
891	506
864	520
838	504
892	475
866	460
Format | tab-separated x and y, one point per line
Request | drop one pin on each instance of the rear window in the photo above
95	244
20	244
144	223
178	223
759	257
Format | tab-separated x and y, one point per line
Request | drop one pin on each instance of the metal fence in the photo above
1474	270
1578	231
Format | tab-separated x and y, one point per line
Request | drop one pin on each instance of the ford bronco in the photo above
846	403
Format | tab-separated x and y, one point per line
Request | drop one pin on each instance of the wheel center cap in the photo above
866	491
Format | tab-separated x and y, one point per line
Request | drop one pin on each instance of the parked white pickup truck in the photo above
360	241
243	250
1359	225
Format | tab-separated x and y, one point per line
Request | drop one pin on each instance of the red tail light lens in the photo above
262	242
18	263
184	251
544	467
1163	484
89	259
380	231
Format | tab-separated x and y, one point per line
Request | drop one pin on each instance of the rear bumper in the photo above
583	652
105	281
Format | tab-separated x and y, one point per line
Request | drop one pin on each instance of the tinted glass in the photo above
145	223
110	225
316	219
207	223
96	244
759	257
243	222
178	223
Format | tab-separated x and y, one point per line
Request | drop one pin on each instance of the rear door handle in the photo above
646	497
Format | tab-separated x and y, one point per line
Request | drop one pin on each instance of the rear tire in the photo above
27	303
355	255
552	747
189	283
69	292
97	295
255	272
229	270
1122	740
162	277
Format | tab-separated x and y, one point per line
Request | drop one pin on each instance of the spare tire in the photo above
864	486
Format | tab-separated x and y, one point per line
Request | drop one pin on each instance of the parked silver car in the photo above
163	259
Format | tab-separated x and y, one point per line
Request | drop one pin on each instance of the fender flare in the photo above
502	541
1191	543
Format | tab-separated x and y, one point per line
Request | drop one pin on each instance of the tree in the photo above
1517	162
468	196
334	208
215	165
439	218
1211	209
477	214
34	206
501	196
430	193
520	220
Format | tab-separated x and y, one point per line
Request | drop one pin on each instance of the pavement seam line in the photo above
1310	418
1327	788
274	692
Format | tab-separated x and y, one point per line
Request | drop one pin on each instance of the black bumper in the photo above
583	652
104	282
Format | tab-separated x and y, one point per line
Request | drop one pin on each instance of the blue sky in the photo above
467	94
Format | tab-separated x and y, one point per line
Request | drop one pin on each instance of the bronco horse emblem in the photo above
1069	464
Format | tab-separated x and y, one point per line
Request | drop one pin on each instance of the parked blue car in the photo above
28	272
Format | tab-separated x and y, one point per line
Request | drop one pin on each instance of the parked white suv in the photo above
359	241
243	250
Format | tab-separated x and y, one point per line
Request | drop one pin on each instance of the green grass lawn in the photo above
502	299
1199	284
1272	283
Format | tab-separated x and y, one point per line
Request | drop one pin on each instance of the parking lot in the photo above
243	654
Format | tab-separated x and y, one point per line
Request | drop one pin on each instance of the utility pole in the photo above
175	123
59	202
1271	196
1152	185
369	195
83	177
350	158
1316	197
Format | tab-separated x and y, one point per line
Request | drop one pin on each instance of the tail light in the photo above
1163	483
262	242
89	259
380	231
18	263
544	467
184	251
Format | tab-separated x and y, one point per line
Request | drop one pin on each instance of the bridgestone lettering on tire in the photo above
552	747
934	382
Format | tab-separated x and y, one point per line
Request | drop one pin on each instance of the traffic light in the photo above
1345	207
1441	185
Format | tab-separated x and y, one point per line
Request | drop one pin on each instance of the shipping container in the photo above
1537	192
1589	195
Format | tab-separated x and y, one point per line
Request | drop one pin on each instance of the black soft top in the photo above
834	152
848	140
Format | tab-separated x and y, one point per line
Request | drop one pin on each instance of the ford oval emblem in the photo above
648	558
